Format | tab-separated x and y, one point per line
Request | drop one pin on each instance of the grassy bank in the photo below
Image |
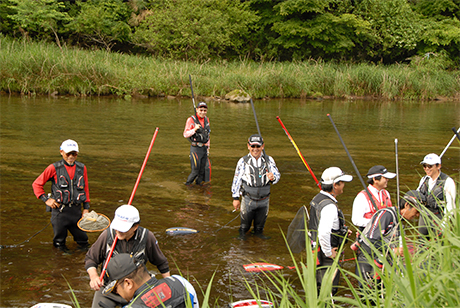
43	68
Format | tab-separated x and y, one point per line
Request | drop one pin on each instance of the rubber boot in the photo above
260	234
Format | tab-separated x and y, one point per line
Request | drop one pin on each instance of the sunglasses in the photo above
72	154
255	146
427	166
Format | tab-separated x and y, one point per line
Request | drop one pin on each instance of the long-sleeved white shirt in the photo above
361	205
242	173
328	220
449	191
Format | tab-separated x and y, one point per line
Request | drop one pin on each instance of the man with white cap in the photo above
133	239
439	190
131	280
197	130
254	174
327	223
363	206
69	192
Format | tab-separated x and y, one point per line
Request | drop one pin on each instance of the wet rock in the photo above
238	96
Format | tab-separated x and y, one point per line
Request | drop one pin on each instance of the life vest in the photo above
258	186
202	134
66	190
390	233
138	249
167	292
316	206
434	198
386	202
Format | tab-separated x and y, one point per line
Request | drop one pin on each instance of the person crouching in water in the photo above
327	223
382	234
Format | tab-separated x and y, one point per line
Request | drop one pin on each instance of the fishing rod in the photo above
298	152
451	140
193	96
104	268
456	132
397	172
354	165
258	131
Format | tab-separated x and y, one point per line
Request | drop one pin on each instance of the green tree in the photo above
102	22
38	17
195	29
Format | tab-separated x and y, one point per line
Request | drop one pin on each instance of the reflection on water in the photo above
114	136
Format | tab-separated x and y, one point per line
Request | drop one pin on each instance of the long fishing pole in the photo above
258	131
101	277
193	96
451	140
298	152
397	172
456	132
353	163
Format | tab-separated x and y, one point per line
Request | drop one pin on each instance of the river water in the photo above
114	136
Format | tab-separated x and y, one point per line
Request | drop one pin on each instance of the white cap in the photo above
125	216
69	146
333	175
431	159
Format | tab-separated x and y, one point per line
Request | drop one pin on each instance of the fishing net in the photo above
297	231
93	222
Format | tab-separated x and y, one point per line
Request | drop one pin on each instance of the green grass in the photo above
38	68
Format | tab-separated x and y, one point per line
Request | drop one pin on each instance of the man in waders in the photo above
327	223
69	192
383	234
253	176
363	207
440	192
131	280
198	130
133	239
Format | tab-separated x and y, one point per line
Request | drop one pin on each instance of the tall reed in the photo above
42	68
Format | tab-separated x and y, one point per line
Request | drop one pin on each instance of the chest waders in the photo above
70	193
198	152
256	193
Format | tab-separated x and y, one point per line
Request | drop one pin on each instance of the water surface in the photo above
114	136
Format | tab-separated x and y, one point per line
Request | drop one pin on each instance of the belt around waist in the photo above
198	144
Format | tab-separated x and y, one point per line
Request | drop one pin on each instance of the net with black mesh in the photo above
93	222
298	231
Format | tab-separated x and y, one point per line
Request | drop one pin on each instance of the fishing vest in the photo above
66	190
168	292
258	186
386	202
435	197
202	134
316	206
138	250
388	237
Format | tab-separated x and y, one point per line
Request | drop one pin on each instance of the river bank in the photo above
32	68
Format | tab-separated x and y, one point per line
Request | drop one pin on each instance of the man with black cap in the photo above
130	238
253	176
439	190
383	233
327	223
69	192
131	280
363	207
198	130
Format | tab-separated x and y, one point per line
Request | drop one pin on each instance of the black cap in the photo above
414	197
202	104
380	170
256	139
120	266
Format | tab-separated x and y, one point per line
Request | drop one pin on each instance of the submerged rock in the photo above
238	96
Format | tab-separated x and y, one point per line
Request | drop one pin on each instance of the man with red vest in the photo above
197	130
69	193
363	206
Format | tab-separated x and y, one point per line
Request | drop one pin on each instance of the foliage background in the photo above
378	31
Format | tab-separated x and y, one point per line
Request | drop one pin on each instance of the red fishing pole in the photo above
129	202
298	152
